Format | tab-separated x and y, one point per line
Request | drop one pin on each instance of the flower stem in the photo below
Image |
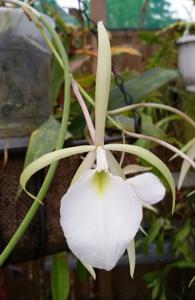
45	186
84	110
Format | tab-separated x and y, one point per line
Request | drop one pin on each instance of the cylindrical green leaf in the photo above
60	278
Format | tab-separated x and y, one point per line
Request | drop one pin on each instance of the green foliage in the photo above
60	278
179	234
43	140
142	85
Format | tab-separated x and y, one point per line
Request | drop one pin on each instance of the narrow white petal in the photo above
100	215
150	207
103	77
148	188
89	269
132	257
114	166
143	231
86	164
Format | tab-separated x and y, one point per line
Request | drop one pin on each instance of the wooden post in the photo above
105	283
98	10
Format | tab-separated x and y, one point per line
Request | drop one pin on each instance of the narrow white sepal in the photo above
114	166
86	164
143	231
90	269
132	257
131	169
150	207
103	77
48	159
186	166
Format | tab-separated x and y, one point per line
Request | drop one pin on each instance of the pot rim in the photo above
186	39
17	10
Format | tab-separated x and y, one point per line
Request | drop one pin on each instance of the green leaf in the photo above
154	230
141	86
57	78
160	243
81	271
148	127
183	264
90	269
185	148
149	157
48	159
186	166
60	278
43	140
155	291
181	235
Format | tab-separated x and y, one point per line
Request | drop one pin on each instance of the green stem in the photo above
45	186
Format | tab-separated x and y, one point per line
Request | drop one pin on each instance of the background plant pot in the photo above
25	67
186	60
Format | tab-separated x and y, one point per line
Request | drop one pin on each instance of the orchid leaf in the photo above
148	127
103	77
186	166
57	78
185	148
60	278
150	158
141	86
43	140
132	257
48	159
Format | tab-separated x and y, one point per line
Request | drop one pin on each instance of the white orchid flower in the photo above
101	213
102	210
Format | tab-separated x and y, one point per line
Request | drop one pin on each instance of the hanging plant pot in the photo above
25	68
186	60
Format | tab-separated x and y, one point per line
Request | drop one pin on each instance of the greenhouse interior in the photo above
97	149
